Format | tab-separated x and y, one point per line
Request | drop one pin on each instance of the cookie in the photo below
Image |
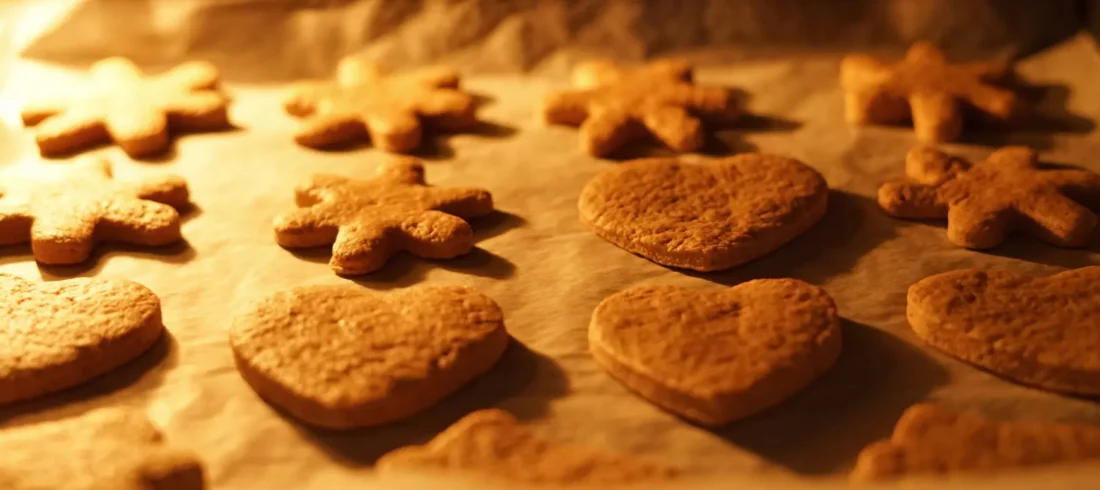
926	89
345	357
364	102
64	218
1039	331
56	335
367	221
705	217
103	449
719	355
983	203
492	444
930	440
134	111
614	106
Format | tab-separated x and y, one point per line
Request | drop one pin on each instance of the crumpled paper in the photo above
534	257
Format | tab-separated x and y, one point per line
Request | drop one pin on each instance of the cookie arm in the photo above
674	127
936	117
305	227
464	202
34	112
976	225
911	200
1079	185
15	223
865	99
393	129
568	107
166	189
139	222
447	109
436	235
1057	219
605	131
72	130
201	111
362	248
327	130
192	75
62	237
435	77
594	73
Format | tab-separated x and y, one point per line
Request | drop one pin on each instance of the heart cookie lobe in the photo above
1039	331
56	335
715	356
705	217
493	445
931	440
344	357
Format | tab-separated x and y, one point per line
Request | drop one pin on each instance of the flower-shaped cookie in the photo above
614	106
925	88
134	111
364	101
64	218
986	201
367	221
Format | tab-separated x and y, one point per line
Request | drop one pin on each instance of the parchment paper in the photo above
548	273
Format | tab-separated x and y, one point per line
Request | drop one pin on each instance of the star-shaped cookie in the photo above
367	221
63	218
390	109
986	201
925	88
134	111
614	106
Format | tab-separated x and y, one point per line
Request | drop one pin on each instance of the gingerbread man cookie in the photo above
924	88
363	101
56	335
708	216
64	218
100	450
930	440
1040	331
367	221
492	444
715	356
344	357
614	106
983	203
134	111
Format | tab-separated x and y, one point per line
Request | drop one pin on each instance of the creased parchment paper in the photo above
548	273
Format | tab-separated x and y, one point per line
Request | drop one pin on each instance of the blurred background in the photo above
274	40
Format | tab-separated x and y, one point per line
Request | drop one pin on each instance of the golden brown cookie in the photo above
705	217
344	356
492	444
715	356
56	335
983	203
926	89
106	449
929	440
367	221
1040	331
134	111
363	101
614	106
64	218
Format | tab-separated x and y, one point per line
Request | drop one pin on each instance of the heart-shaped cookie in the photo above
715	356
56	335
344	356
492	444
705	217
1039	331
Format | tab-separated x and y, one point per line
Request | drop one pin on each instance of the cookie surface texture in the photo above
344	357
64	218
1039	331
931	440
709	216
492	444
614	106
134	111
985	202
367	221
390	110
715	356
926	89
59	334
106	449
